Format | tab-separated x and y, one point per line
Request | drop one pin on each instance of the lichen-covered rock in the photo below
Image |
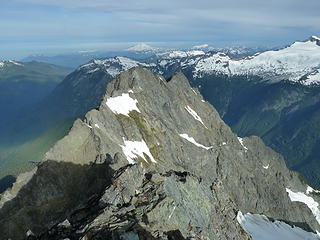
154	161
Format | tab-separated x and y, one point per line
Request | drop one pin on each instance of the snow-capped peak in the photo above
181	54
5	63
141	47
112	66
202	46
290	63
314	38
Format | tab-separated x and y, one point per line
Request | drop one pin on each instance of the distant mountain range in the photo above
141	51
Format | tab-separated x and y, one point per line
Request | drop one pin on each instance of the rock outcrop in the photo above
154	161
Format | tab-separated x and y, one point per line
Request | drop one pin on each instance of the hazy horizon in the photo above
47	27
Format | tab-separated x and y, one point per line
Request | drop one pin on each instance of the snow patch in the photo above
316	38
194	114
123	104
15	63
312	78
114	66
191	139
94	70
141	47
311	190
202	46
174	208
242	143
309	201
181	54
4	63
259	227
135	149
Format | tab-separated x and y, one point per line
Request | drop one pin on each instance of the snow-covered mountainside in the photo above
8	63
299	62
261	228
141	47
290	63
113	66
180	54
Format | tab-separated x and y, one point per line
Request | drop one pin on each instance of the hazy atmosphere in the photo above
57	26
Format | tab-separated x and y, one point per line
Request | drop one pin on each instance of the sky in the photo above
59	26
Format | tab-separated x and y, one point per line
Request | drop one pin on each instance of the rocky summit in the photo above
155	161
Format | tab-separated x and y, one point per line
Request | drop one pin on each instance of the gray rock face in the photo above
154	161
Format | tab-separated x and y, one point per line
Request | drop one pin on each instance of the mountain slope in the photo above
33	132
284	114
155	161
273	94
23	84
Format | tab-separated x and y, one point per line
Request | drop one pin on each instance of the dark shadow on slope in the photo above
6	182
54	192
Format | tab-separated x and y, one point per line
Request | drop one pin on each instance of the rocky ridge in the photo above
153	161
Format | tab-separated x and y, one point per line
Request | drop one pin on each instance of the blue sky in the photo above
58	26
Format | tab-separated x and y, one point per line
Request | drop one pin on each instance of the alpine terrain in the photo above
272	94
154	160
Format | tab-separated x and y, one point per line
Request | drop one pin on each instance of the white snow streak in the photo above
266	167
191	139
309	201
311	190
123	104
174	208
194	115
312	78
259	227
242	144
141	47
135	149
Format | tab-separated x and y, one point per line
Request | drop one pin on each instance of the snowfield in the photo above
191	139
134	149
309	201
123	104
259	227
290	63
